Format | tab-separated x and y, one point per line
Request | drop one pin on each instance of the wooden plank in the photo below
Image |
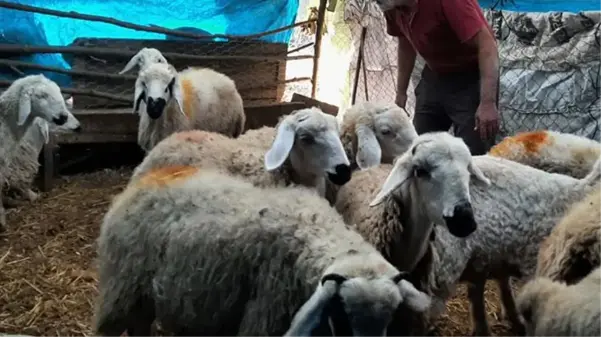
268	115
247	74
325	107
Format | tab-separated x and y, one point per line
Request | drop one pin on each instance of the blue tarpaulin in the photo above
230	17
573	6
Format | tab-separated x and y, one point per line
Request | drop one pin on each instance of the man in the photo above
459	84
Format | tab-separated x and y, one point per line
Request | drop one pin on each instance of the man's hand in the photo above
401	99
487	120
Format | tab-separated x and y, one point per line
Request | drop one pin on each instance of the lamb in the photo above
143	58
302	149
24	166
206	253
196	98
25	99
573	250
550	151
374	133
552	308
514	213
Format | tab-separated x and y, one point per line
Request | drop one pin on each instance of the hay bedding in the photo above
47	276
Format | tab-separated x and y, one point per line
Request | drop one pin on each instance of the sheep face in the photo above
144	58
156	86
43	98
391	4
311	140
437	170
383	136
342	306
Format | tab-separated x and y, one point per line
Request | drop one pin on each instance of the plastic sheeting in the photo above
229	17
550	71
573	6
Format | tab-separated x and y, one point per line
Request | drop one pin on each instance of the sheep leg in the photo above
2	215
475	292
510	312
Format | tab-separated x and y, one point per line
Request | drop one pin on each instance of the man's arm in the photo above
469	24
405	63
488	60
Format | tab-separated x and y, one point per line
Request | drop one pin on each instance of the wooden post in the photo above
48	164
321	15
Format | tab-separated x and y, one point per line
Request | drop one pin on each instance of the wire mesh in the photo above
549	66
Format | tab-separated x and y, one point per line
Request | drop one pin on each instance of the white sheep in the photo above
25	164
304	148
196	98
573	248
374	133
553	308
550	151
513	213
143	58
25	99
206	253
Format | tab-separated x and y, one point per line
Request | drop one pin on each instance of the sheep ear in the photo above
45	131
399	174
139	96
284	139
132	63
475	171
369	152
178	95
24	107
413	298
311	316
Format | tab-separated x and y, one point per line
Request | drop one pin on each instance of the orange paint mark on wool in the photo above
163	176
533	140
188	97
525	142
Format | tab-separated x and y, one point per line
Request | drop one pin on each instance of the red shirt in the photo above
439	31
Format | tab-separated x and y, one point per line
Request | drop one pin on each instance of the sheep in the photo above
143	58
573	249
25	99
553	308
550	151
303	148
247	261
374	133
24	165
515	207
196	98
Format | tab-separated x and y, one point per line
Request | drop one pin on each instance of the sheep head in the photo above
437	168
338	306
380	132
156	86
41	97
144	58
310	139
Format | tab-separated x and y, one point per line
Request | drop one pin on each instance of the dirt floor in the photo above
47	277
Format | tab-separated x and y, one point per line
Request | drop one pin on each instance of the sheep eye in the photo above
421	172
307	139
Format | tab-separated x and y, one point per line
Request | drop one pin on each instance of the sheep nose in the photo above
463	209
154	107
60	120
462	223
342	175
